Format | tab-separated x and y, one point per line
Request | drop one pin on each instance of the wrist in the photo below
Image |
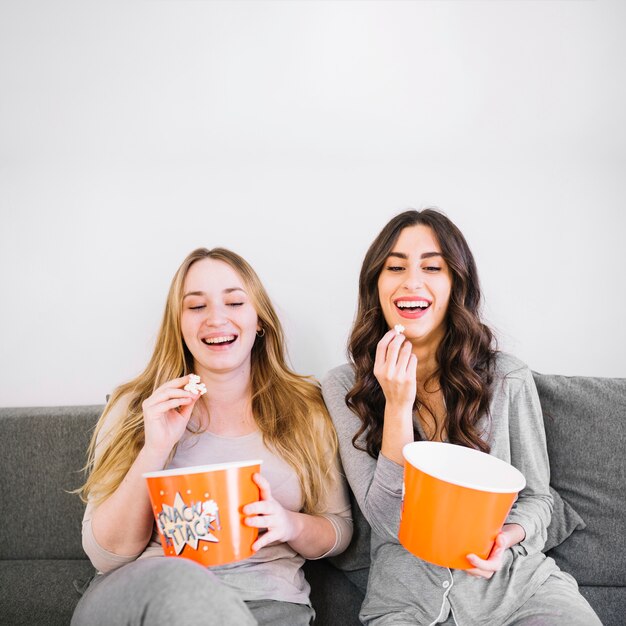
399	410
152	459
514	533
296	525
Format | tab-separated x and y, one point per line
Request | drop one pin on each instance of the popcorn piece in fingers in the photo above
194	385
399	329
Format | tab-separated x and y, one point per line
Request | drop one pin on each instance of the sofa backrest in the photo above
585	422
42	451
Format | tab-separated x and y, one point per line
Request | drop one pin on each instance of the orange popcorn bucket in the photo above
455	501
198	511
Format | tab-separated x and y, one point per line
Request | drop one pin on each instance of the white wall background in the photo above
133	132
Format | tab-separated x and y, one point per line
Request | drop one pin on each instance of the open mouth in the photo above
412	305
224	340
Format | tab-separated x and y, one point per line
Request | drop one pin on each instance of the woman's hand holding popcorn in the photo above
166	414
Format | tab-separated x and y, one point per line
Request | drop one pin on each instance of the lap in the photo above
164	591
273	612
160	591
556	603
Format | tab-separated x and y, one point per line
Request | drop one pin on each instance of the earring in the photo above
260	333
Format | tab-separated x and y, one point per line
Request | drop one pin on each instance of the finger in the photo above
381	348
499	546
477	562
265	491
165	404
490	565
479	573
262	507
162	395
403	357
175	383
385	367
172	404
383	344
474	572
186	408
495	559
501	541
260	521
393	349
264	540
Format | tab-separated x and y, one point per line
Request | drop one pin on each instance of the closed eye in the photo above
235	304
198	307
395	268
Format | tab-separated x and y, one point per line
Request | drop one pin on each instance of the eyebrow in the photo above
424	255
226	291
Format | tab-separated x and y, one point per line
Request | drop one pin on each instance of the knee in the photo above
161	591
172	582
171	575
181	591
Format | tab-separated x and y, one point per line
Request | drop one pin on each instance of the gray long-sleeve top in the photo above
401	586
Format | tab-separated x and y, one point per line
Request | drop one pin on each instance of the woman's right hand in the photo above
166	414
395	368
123	522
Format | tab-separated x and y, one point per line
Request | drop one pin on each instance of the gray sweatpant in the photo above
165	591
556	603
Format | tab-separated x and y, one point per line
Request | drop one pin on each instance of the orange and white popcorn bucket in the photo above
198	511
455	502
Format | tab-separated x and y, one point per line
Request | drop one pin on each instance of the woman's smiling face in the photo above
218	320
414	286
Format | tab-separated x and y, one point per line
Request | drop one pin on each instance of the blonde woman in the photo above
219	324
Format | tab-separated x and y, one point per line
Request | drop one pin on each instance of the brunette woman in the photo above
441	379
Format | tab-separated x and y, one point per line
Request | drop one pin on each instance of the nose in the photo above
215	316
413	280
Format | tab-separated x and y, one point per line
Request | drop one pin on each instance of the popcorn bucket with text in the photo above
198	511
455	502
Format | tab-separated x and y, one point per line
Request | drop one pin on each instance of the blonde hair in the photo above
288	408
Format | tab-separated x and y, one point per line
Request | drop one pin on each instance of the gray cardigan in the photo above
405	588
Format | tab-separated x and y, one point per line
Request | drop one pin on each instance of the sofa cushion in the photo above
42	451
41	592
335	599
563	523
608	602
585	422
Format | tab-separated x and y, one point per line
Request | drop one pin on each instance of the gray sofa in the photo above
42	563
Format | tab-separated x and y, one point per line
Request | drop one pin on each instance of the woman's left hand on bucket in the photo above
268	513
510	535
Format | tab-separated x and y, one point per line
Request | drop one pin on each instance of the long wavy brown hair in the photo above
288	408
465	357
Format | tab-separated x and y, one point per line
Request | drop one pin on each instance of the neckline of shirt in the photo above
253	434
